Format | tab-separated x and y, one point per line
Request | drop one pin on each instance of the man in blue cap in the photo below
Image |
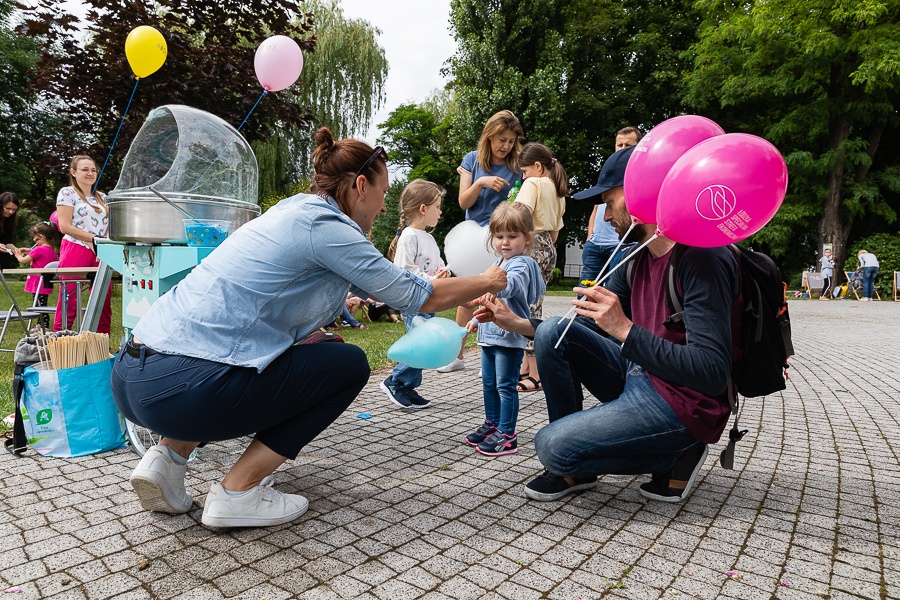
661	400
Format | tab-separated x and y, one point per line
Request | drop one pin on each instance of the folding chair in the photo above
35	307
858	290
13	314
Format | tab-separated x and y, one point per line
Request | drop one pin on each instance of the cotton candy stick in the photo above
572	314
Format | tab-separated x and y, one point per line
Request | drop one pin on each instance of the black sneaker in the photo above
397	396
415	400
676	485
480	434
547	486
498	444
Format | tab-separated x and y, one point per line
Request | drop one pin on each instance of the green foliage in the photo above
573	71
343	81
819	79
385	227
886	248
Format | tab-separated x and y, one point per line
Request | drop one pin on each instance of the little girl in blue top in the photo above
415	250
511	228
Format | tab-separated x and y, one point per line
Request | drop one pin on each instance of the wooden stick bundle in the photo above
77	350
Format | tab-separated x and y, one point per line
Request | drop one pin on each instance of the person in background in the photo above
415	250
46	238
544	193
82	217
197	369
868	262
602	238
485	178
827	269
9	209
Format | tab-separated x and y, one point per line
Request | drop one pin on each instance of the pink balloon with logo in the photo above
278	63
654	156
721	191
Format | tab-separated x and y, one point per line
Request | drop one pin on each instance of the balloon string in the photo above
199	179
572	314
137	80
261	96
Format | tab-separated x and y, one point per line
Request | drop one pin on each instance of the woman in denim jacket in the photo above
222	355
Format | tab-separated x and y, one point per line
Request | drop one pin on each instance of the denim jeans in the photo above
406	377
593	257
345	315
499	376
287	405
869	274
632	431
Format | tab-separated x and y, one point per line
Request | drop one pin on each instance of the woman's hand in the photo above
603	307
497	277
442	274
492	182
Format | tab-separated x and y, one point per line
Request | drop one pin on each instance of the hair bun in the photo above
324	138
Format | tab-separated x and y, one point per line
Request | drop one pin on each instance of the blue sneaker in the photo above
498	444
481	434
397	395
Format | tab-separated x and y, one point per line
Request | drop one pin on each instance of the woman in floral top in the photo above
82	217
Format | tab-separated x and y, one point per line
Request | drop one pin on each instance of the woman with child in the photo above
222	355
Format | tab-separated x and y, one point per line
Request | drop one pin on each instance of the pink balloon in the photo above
54	218
278	63
721	191
654	156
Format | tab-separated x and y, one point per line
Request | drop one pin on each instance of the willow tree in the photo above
342	86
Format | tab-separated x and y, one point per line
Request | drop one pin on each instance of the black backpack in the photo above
765	340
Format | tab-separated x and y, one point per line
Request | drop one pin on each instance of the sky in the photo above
415	35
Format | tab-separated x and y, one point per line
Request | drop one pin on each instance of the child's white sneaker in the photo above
258	507
159	482
458	364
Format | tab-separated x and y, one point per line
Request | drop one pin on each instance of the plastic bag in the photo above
70	412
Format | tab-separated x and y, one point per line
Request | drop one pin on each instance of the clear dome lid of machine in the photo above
184	150
200	163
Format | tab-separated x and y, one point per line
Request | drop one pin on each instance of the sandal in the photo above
522	386
522	376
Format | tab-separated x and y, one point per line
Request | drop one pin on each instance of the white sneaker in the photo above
259	507
458	364
159	482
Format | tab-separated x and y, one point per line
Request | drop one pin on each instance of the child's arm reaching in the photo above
23	257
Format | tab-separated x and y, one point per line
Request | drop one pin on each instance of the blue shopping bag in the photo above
70	412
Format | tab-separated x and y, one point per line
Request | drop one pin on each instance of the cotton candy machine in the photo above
185	167
196	160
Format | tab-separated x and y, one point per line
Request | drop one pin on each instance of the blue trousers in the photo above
499	376
632	431
287	405
869	274
593	257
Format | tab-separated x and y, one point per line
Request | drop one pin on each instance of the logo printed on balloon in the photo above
715	202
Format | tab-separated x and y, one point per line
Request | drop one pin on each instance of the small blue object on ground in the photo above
363	416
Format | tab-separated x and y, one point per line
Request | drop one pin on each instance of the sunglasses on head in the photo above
379	152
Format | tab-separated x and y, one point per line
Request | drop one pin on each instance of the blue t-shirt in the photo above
604	233
488	199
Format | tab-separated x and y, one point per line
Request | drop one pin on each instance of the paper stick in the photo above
572	312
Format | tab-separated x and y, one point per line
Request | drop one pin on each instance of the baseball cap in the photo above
611	175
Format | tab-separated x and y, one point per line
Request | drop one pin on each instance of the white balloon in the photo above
466	249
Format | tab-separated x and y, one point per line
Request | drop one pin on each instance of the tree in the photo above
211	47
820	79
573	71
19	114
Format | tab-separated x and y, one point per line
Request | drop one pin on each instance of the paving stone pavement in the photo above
401	508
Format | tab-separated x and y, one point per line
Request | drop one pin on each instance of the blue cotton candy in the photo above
430	344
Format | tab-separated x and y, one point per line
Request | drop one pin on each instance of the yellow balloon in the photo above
145	48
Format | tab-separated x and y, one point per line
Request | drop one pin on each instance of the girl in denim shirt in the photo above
511	228
415	250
